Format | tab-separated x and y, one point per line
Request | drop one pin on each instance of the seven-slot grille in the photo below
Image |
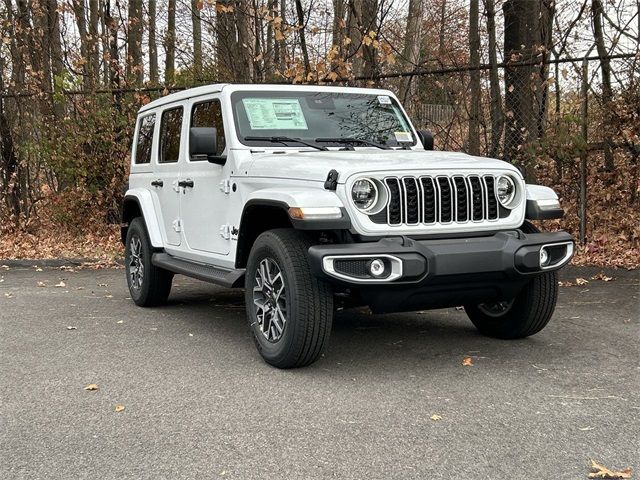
439	199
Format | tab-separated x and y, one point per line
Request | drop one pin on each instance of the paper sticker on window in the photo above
384	100
274	114
403	137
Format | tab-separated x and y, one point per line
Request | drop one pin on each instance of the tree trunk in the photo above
93	60
170	44
81	22
474	58
135	66
527	38
370	24
196	24
339	10
153	47
497	122
9	165
605	67
411	49
303	40
243	56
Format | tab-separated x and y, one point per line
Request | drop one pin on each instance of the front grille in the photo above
439	199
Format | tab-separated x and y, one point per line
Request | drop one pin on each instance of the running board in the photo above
207	273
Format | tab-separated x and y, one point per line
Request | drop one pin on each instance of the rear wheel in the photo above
522	316
288	309
148	285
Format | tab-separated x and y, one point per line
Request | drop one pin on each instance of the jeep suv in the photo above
300	194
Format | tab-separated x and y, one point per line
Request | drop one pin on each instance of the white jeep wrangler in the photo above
302	193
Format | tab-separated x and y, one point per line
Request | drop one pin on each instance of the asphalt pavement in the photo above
391	399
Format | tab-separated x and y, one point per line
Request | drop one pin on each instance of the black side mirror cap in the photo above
426	137
203	141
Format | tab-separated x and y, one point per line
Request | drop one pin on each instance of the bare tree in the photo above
135	66
411	49
170	44
301	34
93	46
473	138
153	46
196	24
497	122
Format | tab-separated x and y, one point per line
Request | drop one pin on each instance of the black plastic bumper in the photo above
439	273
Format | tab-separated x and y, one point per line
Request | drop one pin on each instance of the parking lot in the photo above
390	399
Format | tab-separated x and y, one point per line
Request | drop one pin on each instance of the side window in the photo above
170	133
209	114
145	138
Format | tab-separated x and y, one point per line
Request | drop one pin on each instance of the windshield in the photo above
319	116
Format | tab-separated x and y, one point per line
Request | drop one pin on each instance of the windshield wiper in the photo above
347	140
285	140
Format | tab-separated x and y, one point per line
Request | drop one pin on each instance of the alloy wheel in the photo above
269	297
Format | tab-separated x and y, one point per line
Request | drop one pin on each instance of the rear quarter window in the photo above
146	126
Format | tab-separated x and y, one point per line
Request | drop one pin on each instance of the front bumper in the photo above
437	273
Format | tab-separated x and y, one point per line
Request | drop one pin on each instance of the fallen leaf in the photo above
586	429
108	296
598	471
73	328
565	284
4	267
8	295
42	284
38	269
61	284
191	334
119	408
91	387
103	284
581	281
602	276
467	362
120	321
435	417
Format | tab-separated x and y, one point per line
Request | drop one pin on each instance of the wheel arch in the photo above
138	203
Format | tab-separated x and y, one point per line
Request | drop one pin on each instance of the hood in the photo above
315	165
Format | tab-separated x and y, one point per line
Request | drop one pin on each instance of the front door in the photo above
165	180
204	206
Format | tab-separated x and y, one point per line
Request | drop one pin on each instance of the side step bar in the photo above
207	273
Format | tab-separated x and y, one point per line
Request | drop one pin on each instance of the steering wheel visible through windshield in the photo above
329	118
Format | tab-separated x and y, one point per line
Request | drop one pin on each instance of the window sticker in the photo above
274	114
403	137
384	100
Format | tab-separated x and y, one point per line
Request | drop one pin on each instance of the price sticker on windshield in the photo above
403	137
384	100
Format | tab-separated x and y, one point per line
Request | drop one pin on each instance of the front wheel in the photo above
289	310
522	316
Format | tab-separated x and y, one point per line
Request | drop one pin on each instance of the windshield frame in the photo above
235	98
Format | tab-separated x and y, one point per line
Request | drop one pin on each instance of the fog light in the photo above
544	257
376	267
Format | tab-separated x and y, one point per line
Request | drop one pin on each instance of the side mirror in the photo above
203	143
426	138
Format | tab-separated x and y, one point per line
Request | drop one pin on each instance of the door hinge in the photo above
177	225
225	185
225	231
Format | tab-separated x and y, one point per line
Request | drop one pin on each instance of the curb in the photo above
52	262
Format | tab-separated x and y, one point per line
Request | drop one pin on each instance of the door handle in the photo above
188	183
157	183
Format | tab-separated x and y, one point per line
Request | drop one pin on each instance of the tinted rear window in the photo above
145	138
170	133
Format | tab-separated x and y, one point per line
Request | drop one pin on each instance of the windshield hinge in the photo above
331	183
225	231
225	185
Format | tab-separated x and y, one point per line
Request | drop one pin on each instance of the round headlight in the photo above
506	190
364	194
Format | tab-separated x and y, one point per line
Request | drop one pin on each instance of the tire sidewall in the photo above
275	351
137	228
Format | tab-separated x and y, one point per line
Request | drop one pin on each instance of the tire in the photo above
526	314
153	286
290	314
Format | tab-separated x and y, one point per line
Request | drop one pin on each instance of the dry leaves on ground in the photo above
603	277
581	281
60	285
435	417
91	387
598	471
565	284
119	408
467	362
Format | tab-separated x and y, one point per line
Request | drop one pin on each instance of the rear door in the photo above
167	170
204	206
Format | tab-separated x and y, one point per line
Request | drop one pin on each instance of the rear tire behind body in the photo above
149	285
